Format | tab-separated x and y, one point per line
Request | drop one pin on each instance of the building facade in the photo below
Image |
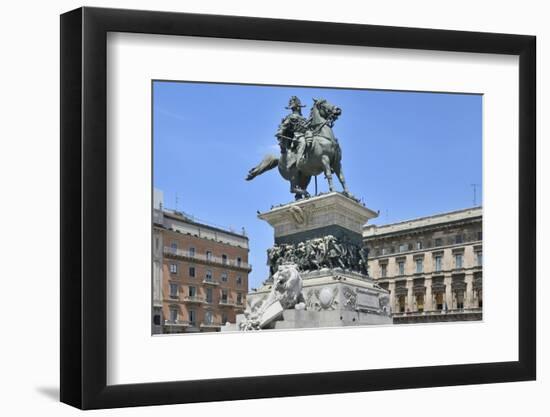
432	266
200	274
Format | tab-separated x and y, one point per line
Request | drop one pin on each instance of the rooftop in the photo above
190	219
433	220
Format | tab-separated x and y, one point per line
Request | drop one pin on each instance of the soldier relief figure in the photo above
314	254
308	148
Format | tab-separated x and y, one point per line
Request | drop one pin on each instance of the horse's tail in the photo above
269	162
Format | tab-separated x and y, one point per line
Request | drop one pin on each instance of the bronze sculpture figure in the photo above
308	148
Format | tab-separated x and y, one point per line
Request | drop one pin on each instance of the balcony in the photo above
177	323
193	299
227	302
213	260
210	281
210	325
465	314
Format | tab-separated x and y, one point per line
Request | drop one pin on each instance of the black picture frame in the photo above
84	207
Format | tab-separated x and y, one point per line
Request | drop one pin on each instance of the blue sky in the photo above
407	154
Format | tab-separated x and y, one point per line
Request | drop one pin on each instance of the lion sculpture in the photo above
286	290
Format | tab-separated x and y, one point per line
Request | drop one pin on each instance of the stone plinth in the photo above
334	298
320	239
326	214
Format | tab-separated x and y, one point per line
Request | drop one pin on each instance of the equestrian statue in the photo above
308	148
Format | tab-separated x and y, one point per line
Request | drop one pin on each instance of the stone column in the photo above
428	302
469	296
391	287
448	291
410	296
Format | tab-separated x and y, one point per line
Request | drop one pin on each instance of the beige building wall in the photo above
432	266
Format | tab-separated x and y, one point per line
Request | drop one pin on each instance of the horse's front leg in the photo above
328	171
340	174
296	190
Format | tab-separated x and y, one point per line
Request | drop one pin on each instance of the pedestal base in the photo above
334	298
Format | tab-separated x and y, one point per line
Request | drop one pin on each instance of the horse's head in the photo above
326	110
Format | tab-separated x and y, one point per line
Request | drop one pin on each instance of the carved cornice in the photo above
320	211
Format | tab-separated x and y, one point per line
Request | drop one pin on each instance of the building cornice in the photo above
434	249
422	224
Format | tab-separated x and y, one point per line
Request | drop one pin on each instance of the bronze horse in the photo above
322	154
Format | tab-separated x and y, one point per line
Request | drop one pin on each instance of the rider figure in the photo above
291	127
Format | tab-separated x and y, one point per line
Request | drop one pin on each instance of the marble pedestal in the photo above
327	214
334	296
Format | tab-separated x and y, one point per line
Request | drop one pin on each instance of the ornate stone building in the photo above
200	274
432	266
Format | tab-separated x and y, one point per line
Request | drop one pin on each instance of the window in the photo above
384	251
192	316
383	270
156	243
403	247
239	298
208	255
401	303
224	318
239	261
438	263
192	291
459	239
173	290
439	301
191	252
418	245
458	260
401	268
208	317
479	258
420	303
460	300
192	271
224	276
156	319
173	268
224	296
208	276
173	314
174	247
224	259
209	295
479	235
438	242
419	265
239	280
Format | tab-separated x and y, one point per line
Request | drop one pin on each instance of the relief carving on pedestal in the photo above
350	299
